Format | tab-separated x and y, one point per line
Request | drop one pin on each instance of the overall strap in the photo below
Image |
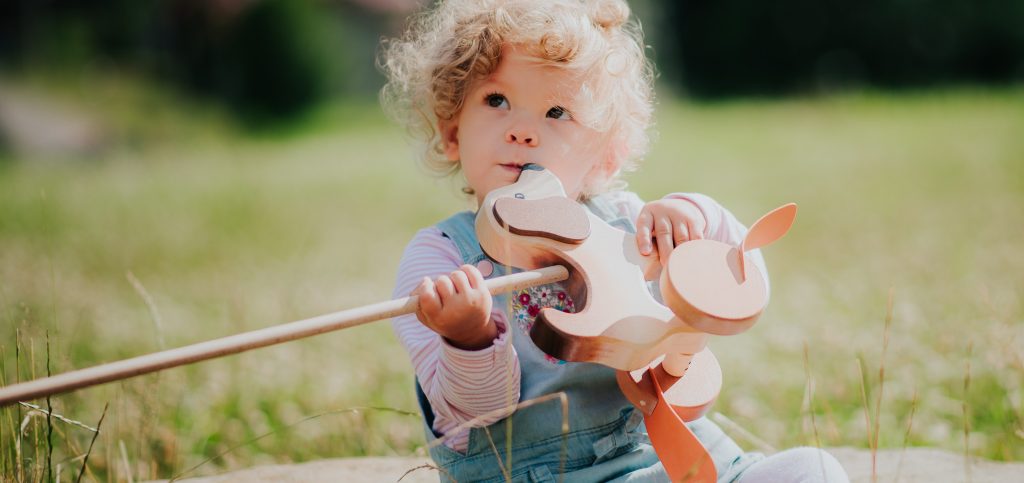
603	208
460	228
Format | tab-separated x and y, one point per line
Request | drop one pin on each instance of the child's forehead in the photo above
521	57
520	71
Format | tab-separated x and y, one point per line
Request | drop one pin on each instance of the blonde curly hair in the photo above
446	49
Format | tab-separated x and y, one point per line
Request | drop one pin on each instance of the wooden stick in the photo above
234	344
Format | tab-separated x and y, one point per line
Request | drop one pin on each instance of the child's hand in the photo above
458	307
672	222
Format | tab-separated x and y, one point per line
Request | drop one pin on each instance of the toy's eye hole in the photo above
497	100
559	112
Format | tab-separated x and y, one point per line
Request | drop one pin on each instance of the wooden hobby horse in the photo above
659	349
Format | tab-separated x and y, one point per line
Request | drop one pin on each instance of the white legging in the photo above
796	465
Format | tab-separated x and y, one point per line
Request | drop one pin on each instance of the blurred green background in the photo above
175	171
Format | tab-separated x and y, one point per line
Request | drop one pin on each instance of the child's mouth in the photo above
513	167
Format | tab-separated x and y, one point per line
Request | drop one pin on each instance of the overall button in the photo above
486	268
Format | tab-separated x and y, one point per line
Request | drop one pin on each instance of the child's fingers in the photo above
476	279
643	231
445	289
460	281
663	235
428	302
696	226
425	287
682	231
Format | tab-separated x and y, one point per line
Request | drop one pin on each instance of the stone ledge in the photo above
925	465
919	465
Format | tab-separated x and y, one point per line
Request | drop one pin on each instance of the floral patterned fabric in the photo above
525	305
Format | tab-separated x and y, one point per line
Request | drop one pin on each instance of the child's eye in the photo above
559	112
497	100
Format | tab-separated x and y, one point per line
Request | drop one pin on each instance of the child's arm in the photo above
460	384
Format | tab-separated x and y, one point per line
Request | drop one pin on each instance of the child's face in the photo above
522	114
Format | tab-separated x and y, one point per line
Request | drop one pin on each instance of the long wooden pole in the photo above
233	344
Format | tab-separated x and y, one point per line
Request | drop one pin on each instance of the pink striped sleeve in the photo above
459	384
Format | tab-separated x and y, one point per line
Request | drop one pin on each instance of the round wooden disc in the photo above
703	279
696	391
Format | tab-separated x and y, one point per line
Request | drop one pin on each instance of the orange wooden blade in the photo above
770	227
690	395
766	230
682	454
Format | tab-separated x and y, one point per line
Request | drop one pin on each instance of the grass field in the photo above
917	195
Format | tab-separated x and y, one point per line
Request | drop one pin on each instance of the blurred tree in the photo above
267	59
274	59
726	47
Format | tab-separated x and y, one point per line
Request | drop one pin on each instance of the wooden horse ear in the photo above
555	218
770	227
766	230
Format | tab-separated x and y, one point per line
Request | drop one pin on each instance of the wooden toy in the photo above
618	323
708	287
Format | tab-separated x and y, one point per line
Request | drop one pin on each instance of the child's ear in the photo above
615	155
449	138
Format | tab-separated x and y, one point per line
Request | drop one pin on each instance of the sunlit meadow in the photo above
185	229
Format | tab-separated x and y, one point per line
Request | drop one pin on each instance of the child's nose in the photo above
521	135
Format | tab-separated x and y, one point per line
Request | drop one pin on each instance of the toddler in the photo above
489	86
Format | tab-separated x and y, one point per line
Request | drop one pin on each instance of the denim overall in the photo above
606	439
